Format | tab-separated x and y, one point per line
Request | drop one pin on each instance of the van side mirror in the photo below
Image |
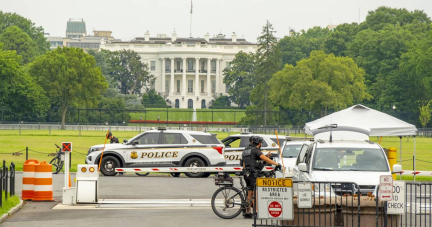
397	168
302	167
125	141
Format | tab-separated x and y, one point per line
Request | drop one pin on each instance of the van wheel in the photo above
109	164
195	162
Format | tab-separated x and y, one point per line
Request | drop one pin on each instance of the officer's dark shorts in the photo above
250	182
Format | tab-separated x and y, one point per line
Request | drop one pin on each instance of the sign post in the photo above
304	195
66	149
397	205
275	198
386	188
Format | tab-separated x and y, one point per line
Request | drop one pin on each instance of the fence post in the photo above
26	153
167	117
19	127
212	115
12	179
4	170
6	183
1	187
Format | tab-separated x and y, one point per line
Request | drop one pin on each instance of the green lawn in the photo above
39	140
219	115
9	204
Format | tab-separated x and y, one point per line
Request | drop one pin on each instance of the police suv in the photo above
161	148
343	159
235	144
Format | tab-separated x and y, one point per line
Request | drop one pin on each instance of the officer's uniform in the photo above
252	161
114	140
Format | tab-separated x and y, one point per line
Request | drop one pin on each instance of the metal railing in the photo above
7	181
418	199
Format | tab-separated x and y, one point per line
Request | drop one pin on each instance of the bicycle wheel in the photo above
227	202
57	165
142	174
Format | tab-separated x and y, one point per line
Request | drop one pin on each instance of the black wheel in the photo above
142	174
194	162
227	202
109	164
175	174
57	165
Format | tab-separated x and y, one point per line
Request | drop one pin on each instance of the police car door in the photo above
142	149
234	147
174	146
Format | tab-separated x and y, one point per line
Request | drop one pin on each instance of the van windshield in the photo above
291	151
349	159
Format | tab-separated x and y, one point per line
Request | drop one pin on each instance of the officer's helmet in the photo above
255	140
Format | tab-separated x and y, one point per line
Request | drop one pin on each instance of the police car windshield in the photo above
350	159
291	151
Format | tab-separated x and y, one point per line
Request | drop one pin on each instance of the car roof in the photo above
181	131
295	142
347	144
262	135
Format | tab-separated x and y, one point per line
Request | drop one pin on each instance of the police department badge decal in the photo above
134	155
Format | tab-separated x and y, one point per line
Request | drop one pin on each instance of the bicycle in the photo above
226	206
57	162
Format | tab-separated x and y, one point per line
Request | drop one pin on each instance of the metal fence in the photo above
7	181
350	205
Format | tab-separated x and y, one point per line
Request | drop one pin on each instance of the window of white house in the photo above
190	65
202	66
228	65
167	88
227	87
153	65
190	86
213	86
202	86
213	65
178	85
178	65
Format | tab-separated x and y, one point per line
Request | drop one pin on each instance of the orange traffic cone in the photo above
43	190
28	179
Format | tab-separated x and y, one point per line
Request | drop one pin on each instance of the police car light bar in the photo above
186	169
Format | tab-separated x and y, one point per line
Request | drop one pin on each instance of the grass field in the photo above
40	141
219	115
9	204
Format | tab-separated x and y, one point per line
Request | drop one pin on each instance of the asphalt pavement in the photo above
129	186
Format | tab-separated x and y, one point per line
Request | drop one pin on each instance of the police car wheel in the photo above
194	162
108	166
175	174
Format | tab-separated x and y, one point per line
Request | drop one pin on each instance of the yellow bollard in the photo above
392	159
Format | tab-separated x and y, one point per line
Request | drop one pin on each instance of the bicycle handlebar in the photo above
57	146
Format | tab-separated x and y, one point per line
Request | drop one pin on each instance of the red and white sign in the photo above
386	188
275	209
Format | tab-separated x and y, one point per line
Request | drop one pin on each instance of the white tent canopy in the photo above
380	124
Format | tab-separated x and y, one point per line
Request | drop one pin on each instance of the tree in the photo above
336	42
129	72
268	62
19	93
26	25
239	76
222	101
153	98
70	78
14	38
319	83
299	45
425	114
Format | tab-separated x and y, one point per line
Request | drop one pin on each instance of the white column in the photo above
208	76
217	76
163	75
184	78
172	77
197	83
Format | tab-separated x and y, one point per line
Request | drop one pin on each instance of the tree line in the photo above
383	62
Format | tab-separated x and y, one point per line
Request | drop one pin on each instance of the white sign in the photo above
397	205
304	195
386	188
275	198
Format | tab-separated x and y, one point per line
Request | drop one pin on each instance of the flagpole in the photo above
190	30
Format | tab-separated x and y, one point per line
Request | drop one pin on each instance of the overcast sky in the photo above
131	18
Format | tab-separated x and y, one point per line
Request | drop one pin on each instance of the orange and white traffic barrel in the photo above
43	189
28	179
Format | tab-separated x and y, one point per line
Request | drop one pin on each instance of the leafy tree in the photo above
240	78
129	72
26	25
222	101
19	93
336	42
319	83
14	38
268	62
299	45
152	98
70	77
425	114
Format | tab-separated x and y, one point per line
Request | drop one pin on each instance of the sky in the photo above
132	18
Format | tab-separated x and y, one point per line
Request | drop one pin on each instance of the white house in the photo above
188	71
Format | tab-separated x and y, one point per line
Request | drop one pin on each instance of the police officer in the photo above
252	164
112	138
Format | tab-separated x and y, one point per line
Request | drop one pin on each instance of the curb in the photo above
11	211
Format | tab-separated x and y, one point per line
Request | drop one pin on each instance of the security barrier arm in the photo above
186	169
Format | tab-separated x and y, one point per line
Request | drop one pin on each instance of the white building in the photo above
188	71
